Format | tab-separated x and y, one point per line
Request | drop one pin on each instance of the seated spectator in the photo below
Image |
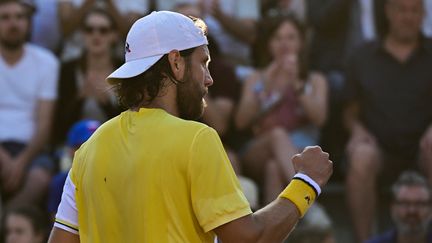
83	91
71	13
389	115
77	135
282	104
411	211
24	224
28	89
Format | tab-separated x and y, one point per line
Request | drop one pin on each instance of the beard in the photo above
13	42
416	227
190	100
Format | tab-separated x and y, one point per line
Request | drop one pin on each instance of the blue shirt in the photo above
391	237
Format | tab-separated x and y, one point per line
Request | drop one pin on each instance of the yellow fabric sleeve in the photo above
300	193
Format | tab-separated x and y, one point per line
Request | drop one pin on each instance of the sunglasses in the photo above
100	29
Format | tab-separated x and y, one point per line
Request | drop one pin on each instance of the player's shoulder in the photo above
43	56
193	126
189	128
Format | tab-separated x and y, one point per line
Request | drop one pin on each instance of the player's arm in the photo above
63	236
270	224
275	221
66	223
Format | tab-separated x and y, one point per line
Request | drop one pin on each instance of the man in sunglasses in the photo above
152	174
28	89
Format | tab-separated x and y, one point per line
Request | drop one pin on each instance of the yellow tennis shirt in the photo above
149	176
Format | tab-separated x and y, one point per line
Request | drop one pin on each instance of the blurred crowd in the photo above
353	76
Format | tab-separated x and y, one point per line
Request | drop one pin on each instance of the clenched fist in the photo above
315	163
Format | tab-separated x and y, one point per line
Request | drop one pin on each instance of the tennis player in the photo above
152	174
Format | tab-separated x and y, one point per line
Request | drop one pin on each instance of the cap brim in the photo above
133	68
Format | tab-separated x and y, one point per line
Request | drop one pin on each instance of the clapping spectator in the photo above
283	104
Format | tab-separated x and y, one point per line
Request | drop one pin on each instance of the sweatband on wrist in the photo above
301	194
309	181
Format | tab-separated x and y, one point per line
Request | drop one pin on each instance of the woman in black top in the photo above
83	91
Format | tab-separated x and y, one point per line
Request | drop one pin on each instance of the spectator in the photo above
28	83
411	211
83	91
24	224
71	12
389	115
77	135
282	104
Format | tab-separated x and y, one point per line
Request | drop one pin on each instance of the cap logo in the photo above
127	48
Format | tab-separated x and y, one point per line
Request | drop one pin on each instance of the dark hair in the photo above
132	92
144	88
28	8
35	216
410	178
99	11
266	28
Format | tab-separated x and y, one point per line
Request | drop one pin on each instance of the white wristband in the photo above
310	181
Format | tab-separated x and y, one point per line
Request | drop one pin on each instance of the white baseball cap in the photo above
155	35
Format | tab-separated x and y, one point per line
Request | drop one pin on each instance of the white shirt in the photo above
33	78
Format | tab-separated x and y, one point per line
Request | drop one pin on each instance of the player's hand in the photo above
315	163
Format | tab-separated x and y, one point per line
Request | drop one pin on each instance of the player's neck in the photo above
166	101
11	56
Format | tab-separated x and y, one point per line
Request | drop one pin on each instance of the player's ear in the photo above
177	64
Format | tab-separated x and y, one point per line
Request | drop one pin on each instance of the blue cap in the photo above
81	131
